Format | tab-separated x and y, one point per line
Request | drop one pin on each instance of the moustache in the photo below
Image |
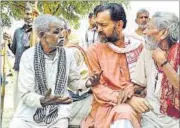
28	20
101	33
60	41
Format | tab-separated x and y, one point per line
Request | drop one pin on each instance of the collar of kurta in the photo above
131	43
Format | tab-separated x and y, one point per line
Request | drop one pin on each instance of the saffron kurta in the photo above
117	65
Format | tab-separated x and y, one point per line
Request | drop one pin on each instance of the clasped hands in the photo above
139	104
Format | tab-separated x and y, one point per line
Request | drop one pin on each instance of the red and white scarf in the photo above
133	47
169	97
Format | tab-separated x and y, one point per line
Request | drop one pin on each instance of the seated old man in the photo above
45	72
157	69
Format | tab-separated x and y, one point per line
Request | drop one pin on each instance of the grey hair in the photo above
170	22
42	22
66	24
142	11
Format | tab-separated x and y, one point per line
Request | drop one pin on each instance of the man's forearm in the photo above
172	75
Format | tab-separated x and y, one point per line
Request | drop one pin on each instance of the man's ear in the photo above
164	34
41	34
120	24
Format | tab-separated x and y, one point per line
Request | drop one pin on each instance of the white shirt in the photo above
91	37
30	101
145	73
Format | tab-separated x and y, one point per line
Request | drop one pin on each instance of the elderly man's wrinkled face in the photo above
66	33
28	16
152	36
142	20
106	27
54	37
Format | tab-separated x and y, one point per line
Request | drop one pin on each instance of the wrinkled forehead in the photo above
55	25
143	14
103	17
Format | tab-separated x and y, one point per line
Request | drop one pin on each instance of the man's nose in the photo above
145	18
99	29
28	16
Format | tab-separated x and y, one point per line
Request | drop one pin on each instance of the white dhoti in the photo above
80	109
19	123
121	124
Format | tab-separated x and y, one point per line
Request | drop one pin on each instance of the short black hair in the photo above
90	15
116	11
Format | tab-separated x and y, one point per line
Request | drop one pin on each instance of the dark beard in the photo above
112	39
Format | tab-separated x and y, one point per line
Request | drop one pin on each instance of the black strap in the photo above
155	82
86	36
164	63
94	36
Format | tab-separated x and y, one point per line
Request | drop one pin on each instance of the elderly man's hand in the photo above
159	56
125	94
54	100
140	104
94	80
6	36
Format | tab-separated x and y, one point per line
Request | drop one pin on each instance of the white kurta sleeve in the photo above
74	79
26	81
139	77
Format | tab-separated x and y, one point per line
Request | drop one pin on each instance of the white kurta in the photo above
144	75
91	36
30	100
80	108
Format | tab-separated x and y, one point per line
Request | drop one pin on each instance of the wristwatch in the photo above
164	63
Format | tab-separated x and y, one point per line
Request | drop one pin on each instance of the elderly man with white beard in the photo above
157	69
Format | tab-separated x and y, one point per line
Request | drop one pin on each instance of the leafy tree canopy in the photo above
73	11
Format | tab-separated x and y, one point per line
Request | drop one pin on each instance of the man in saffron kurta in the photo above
117	58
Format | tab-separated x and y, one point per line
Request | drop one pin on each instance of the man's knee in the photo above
121	124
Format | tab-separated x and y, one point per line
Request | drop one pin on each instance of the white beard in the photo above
142	26
150	43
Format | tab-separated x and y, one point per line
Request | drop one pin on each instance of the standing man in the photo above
142	18
91	35
21	42
116	56
45	72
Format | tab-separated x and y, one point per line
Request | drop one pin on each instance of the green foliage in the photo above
73	11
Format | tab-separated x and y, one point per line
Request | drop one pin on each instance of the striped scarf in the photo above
48	113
